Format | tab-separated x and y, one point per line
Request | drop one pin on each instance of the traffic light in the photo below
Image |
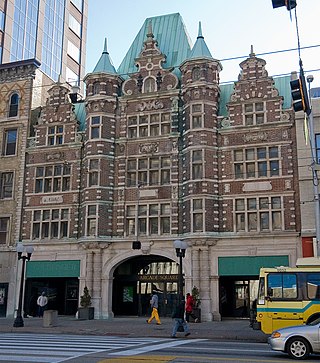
299	94
290	4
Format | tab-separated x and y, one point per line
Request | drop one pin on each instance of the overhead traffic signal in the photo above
299	94
289	4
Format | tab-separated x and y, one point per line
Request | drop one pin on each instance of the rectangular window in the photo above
149	125
197	215
196	116
197	164
262	214
92	220
78	4
282	286
256	162
6	185
10	142
95	127
93	172
254	113
73	51
4	230
53	179
50	223
74	25
153	219
55	135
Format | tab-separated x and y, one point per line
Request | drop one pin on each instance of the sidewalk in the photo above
137	327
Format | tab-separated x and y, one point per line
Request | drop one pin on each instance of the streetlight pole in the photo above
180	247
18	322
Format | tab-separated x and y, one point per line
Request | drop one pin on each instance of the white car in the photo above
298	341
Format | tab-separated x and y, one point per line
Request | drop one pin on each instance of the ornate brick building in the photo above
159	151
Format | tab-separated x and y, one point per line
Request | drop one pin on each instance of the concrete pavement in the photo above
235	329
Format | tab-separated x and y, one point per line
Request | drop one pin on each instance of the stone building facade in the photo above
160	151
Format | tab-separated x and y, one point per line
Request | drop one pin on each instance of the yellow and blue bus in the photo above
288	296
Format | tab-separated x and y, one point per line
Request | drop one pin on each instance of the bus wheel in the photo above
298	348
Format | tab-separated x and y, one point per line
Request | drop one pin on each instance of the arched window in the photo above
149	85
96	88
14	105
196	74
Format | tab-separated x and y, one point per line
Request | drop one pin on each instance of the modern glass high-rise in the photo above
52	31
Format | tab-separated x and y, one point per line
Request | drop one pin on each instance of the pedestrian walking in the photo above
178	317
42	302
189	308
154	306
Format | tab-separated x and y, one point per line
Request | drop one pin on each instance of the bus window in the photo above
313	286
282	286
261	297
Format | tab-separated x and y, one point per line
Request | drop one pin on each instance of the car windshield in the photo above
314	322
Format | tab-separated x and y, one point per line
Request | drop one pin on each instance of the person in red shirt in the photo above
189	308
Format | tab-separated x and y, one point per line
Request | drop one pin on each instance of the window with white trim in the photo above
152	219
196	116
197	215
258	214
6	185
149	171
53	178
92	220
257	162
50	223
95	127
254	113
197	164
93	172
55	135
149	125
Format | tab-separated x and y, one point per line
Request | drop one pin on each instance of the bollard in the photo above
50	318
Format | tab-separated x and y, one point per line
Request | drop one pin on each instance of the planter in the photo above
86	313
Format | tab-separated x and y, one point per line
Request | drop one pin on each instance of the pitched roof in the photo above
104	63
172	37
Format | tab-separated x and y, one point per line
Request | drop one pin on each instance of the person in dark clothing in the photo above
178	317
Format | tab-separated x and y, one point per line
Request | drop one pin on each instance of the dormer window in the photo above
14	105
149	85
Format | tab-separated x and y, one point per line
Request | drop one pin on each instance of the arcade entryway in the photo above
134	281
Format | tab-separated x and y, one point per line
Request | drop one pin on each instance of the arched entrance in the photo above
136	278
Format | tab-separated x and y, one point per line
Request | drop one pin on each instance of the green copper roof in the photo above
200	49
173	41
80	112
282	84
104	63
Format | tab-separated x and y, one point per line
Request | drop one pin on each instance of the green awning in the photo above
66	268
248	265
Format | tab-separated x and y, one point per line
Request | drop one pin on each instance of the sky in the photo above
229	28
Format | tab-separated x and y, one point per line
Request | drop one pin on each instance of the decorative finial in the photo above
150	34
252	54
105	49
200	31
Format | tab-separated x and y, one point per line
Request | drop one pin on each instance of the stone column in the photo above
206	314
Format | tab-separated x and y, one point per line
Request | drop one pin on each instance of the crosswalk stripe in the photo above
58	348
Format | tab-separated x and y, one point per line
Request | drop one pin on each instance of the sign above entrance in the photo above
165	277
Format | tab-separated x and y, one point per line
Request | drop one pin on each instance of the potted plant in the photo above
197	302
86	311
